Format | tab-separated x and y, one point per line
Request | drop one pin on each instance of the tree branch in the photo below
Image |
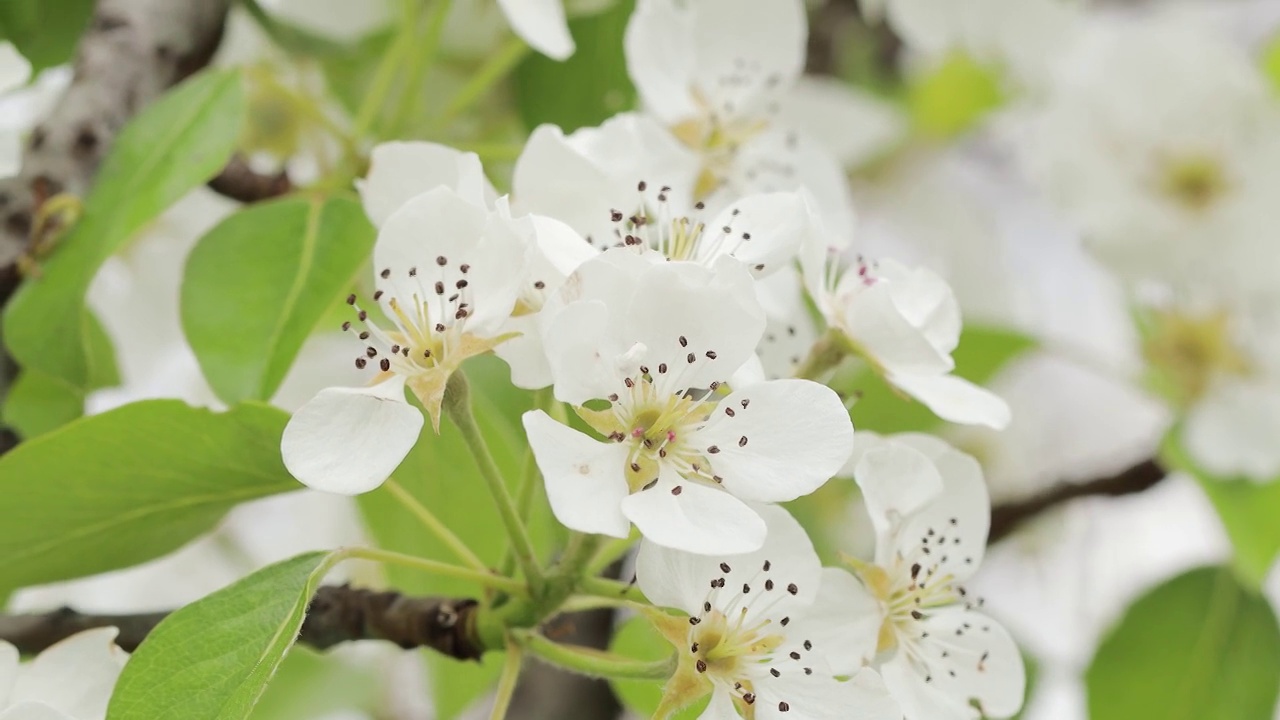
1007	517
240	182
337	614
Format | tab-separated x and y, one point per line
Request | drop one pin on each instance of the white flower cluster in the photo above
641	270
71	680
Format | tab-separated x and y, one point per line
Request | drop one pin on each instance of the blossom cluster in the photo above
652	272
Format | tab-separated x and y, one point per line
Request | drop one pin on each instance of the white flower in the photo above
935	649
1232	431
14	72
399	171
905	322
71	680
1162	141
718	76
642	349
758	630
542	24
449	277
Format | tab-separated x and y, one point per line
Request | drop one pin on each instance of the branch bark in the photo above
1007	517
240	182
337	614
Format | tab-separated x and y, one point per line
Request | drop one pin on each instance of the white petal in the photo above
584	477
661	60
580	352
14	69
874	321
784	159
959	517
763	50
926	301
541	23
8	671
987	664
1233	431
675	578
821	697
349	440
441	224
562	247
524	353
721	706
35	711
400	170
767	230
75	676
777	440
715	312
897	481
843	622
853	126
696	518
955	399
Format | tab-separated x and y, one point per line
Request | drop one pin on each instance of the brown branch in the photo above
337	614
1007	517
240	182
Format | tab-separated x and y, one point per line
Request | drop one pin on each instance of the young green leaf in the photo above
173	146
213	658
126	486
44	31
256	285
1198	646
1248	510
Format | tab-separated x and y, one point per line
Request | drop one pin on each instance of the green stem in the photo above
579	603
507	682
457	405
529	477
494	69
383	77
609	552
435	567
595	663
437	528
606	588
422	63
826	353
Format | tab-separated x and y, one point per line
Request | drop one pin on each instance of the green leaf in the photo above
1248	510
213	658
129	485
953	97
442	475
173	146
38	403
980	355
1199	646
256	285
309	685
44	31
1271	62
638	639
588	88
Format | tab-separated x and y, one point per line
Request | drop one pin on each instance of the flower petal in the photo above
853	126
35	711
581	352
676	578
784	159
1233	431
721	706
767	230
695	518
763	51
925	300
897	481
661	58
542	24
875	322
8	671
843	622
400	170
821	697
777	440
75	676
955	399
349	440
14	68
959	517
584	477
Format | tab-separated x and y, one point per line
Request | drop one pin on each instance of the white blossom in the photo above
71	680
643	348
756	630
14	72
934	647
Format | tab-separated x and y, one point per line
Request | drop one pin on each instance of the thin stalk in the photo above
608	553
606	588
437	528
487	579
507	682
457	405
826	353
383	77
577	552
422	63
595	663
486	76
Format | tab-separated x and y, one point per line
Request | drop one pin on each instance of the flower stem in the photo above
606	588
457	405
826	353
383	77
422	62
507	682
485	578
494	69
609	552
437	528
592	662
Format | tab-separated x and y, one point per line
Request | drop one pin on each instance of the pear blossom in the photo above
71	680
757	639
905	322
718	78
449	277
542	24
1161	141
14	73
399	171
642	349
937	652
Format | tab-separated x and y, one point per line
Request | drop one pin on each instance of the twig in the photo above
337	614
240	182
1007	517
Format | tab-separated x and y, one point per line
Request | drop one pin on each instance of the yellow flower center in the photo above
1187	352
717	141
1194	183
